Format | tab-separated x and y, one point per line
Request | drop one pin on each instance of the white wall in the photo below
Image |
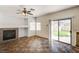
23	32
44	26
9	20
74	13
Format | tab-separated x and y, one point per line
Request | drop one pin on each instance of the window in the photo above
38	26
32	26
35	26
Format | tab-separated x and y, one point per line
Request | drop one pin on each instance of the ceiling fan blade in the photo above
32	9
30	13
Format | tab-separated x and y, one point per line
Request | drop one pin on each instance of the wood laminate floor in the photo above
60	47
26	45
36	44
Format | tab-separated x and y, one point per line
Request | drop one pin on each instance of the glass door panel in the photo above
54	30
64	31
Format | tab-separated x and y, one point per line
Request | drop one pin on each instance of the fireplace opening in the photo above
9	34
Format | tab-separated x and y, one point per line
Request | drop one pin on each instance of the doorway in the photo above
61	30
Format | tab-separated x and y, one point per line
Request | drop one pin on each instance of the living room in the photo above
32	29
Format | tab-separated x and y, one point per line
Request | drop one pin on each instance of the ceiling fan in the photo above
25	12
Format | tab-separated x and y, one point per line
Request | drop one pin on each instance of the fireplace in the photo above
9	34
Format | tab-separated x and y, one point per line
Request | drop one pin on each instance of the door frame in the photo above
58	29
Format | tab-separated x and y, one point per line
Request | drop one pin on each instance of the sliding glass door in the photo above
61	30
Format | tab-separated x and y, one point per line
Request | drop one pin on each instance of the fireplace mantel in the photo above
22	26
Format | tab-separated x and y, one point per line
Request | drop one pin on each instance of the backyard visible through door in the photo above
61	30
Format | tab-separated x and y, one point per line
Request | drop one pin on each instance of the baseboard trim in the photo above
37	36
40	36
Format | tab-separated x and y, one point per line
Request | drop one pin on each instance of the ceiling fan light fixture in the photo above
24	12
